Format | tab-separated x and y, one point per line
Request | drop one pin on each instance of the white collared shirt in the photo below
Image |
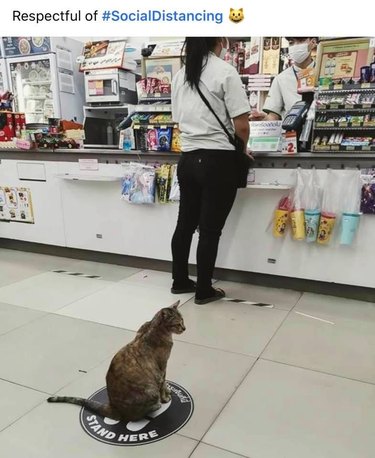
222	86
283	93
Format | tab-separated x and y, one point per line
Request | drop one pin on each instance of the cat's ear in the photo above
175	305
231	10
241	9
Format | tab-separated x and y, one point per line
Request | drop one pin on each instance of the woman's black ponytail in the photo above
196	50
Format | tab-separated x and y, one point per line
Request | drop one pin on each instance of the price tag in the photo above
88	164
338	86
365	85
334	106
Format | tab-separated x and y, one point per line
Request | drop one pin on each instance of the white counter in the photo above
89	214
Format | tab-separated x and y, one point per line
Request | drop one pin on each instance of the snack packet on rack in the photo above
143	185
163	182
129	169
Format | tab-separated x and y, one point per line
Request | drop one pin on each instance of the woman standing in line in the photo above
207	171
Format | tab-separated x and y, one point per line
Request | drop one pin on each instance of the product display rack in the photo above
345	119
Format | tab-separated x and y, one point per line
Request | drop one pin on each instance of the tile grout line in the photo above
23	415
318	371
23	279
228	400
225	450
24	386
200	442
280	325
24	324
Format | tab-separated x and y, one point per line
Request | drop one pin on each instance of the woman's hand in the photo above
250	154
257	115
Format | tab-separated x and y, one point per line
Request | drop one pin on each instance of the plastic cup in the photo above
326	225
298	224
349	226
312	218
280	219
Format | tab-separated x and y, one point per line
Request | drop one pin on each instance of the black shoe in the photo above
217	294
188	287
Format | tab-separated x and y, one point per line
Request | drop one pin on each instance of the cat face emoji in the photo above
236	15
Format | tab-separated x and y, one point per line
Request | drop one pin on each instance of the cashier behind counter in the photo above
283	93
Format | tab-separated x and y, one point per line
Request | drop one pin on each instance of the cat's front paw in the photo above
165	397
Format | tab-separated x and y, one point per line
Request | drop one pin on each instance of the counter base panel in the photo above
272	281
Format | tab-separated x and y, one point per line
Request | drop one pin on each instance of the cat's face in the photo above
236	15
172	319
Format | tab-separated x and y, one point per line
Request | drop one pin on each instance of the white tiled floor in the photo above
294	381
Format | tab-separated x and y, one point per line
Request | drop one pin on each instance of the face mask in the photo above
223	52
299	53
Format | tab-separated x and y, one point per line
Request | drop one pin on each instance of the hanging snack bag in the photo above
162	182
129	169
143	185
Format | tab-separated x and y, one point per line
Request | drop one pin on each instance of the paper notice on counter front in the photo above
265	136
88	164
16	205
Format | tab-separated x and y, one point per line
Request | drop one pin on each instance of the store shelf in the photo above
345	107
163	125
155	99
347	88
108	107
37	97
36	83
153	108
344	149
346	127
81	177
269	186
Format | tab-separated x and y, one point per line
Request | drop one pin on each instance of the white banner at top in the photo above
183	18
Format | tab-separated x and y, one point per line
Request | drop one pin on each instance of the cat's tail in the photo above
105	410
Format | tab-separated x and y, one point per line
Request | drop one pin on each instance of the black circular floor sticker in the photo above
171	417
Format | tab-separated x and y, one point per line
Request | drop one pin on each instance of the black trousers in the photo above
208	187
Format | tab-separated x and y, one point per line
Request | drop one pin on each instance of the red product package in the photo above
7	130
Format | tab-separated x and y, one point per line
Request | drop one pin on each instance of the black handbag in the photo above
244	162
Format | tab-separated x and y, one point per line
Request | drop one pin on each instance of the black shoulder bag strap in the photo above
230	138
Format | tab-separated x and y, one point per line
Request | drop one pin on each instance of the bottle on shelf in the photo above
109	134
241	59
228	57
235	56
127	145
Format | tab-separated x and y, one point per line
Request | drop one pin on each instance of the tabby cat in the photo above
136	376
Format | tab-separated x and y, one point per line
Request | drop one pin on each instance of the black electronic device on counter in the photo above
295	117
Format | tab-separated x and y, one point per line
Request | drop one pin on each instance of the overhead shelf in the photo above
82	177
269	186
